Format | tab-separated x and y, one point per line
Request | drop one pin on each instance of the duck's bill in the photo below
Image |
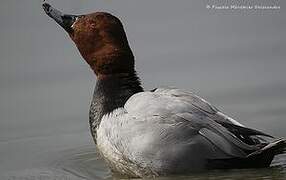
64	20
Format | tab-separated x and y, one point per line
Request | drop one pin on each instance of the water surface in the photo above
68	152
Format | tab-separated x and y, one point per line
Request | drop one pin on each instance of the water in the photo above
68	152
81	163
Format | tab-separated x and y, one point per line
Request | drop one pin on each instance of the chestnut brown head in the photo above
100	38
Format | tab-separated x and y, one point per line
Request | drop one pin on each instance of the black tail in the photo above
265	155
258	159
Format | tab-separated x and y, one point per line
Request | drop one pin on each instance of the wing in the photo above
179	101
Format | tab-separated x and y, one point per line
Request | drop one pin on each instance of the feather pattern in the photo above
174	131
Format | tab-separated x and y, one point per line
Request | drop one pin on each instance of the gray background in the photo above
234	59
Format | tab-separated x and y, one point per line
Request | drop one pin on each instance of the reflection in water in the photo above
85	163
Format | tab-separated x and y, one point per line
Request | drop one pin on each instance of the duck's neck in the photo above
111	92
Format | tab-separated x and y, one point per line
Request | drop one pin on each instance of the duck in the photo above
159	132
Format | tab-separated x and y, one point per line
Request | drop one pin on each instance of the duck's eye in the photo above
93	26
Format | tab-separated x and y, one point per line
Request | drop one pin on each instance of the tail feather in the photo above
258	159
264	156
276	147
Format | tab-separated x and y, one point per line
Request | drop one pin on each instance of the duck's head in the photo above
100	38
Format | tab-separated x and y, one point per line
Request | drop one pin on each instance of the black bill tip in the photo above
64	20
46	7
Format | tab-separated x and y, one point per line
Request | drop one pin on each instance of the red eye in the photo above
93	25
